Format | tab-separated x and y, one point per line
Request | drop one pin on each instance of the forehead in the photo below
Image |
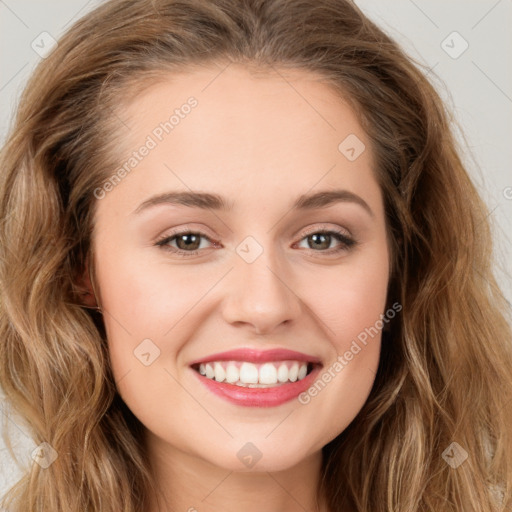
236	129
228	95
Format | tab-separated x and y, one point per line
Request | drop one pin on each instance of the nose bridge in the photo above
260	294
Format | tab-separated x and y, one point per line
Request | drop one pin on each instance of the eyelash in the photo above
346	242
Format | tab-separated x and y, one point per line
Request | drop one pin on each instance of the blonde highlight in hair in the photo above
446	363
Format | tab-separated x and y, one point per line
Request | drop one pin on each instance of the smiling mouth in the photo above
255	375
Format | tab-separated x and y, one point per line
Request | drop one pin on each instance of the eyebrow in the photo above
209	201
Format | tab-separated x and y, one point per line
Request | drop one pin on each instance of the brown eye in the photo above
186	243
321	241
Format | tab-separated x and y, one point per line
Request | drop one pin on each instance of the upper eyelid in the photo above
314	229
324	227
206	235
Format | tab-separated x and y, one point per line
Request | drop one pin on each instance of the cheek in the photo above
356	304
350	305
144	300
350	298
145	295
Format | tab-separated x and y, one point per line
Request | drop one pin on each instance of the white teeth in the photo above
220	373
254	375
248	373
293	372
209	371
268	374
232	373
282	373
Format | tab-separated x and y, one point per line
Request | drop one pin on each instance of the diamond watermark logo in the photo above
352	147
249	249
43	44
454	455
454	45
44	455
249	455
147	352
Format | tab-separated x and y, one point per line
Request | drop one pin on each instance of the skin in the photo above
260	141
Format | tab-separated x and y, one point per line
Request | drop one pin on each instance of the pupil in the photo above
323	244
189	241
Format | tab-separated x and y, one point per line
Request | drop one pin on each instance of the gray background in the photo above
475	83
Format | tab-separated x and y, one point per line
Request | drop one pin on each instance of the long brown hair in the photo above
445	373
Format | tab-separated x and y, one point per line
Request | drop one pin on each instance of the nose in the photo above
261	295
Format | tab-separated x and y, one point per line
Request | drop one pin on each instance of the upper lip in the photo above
258	356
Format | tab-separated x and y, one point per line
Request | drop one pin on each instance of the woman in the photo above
243	265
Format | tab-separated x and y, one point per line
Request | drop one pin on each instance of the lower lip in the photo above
259	397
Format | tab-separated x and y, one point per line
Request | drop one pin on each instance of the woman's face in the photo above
271	179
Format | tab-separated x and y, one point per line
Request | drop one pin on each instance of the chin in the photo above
259	457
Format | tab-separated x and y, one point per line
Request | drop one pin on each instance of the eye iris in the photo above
191	241
323	244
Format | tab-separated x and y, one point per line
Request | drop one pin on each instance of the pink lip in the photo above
260	397
257	356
